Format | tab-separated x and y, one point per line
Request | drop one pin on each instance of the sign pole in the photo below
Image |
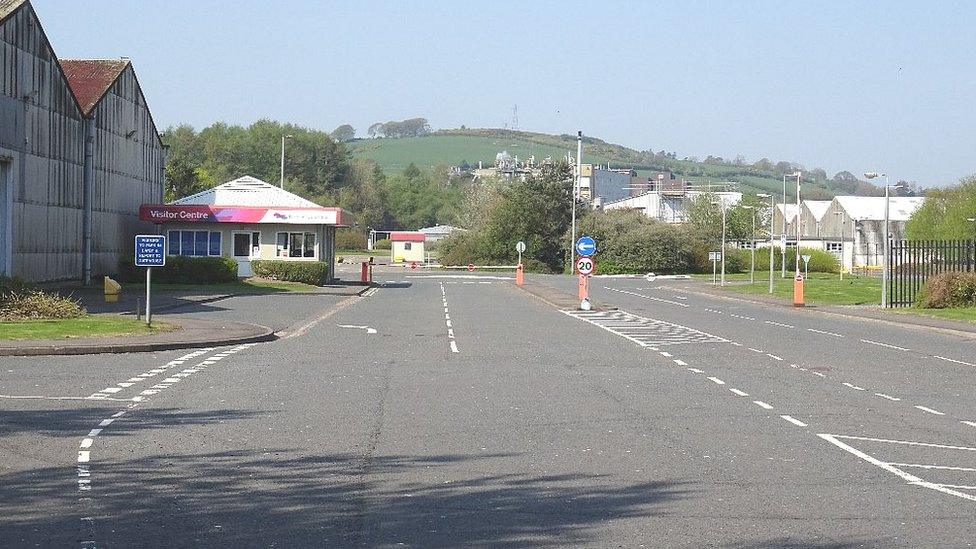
148	296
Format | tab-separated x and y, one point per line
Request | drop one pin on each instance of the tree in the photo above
375	129
344	133
946	213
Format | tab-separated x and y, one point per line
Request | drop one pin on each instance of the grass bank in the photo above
820	288
965	314
86	326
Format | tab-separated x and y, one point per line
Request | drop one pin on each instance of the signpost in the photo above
520	247
714	257
150	252
585	266
586	246
519	270
806	266
470	267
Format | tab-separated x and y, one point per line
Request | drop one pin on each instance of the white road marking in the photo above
716	380
774	357
855	387
447	321
832	334
680	362
106	422
910	478
794	421
367	328
86	442
454	348
755	350
953	360
666	354
740	393
937	467
647	297
737	344
908	443
930	410
762	404
84	456
889	397
970	423
780	324
879	344
821	374
696	370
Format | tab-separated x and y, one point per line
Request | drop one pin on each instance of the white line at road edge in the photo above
910	478
447	320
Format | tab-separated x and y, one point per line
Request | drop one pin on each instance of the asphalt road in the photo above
447	411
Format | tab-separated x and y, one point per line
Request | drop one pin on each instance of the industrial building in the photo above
669	199
79	152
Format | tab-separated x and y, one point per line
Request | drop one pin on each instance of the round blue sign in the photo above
586	246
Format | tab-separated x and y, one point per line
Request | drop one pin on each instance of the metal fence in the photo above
914	261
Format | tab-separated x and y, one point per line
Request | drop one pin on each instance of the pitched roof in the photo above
871	208
247	191
8	7
90	79
788	211
407	236
818	208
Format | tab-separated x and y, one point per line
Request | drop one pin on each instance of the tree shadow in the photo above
75	422
277	497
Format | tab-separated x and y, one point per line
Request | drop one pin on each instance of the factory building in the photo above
79	152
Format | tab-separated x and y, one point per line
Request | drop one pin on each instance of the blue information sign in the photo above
586	246
150	250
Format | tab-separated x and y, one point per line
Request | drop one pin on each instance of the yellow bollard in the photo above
112	290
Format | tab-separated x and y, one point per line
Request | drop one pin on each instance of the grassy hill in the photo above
452	147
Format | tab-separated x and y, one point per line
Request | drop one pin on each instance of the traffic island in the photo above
558	298
176	332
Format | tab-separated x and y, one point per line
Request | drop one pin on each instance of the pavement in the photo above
441	410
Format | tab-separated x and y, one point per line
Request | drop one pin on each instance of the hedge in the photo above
309	272
350	239
182	270
383	244
820	260
945	290
22	301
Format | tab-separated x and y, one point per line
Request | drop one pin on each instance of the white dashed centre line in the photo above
889	397
954	360
780	324
716	380
930	410
762	404
886	345
832	334
740	393
447	320
794	421
855	387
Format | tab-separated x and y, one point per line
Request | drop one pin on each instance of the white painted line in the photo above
680	362
666	354
119	414
696	370
908	443
83	456
762	404
855	387
137	399
774	357
111	390
716	380
125	385
94	432
755	350
134	380
740	393
816	373
954	360
970	423
106	422
794	421
938	467
886	345
454	347
447	316
450	333
912	479
86	443
171	380
736	343
889	397
647	297
780	324
832	334
930	410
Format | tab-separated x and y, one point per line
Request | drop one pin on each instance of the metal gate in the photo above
914	261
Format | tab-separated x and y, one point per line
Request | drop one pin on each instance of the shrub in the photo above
309	272
944	290
21	301
182	270
383	244
820	260
350	239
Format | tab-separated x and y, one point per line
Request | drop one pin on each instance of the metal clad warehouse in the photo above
79	152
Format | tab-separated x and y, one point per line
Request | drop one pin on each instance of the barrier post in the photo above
519	275
364	272
798	291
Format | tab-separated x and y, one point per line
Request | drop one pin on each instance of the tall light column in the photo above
576	185
796	220
281	182
885	262
721	204
772	206
783	251
752	263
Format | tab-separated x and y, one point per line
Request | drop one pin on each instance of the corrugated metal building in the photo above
79	152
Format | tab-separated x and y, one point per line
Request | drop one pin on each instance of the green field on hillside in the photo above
454	147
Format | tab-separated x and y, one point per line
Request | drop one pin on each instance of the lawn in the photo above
246	286
818	288
86	326
966	314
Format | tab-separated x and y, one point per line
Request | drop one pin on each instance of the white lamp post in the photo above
843	229
796	220
722	206
887	235
772	206
752	264
281	183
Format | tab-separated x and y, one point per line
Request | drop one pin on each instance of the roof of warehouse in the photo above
871	208
8	7
788	211
818	208
246	191
90	79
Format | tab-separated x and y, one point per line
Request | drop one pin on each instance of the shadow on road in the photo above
75	422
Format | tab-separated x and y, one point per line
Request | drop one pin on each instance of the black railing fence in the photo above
914	261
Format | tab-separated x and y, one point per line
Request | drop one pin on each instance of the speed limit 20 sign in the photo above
585	265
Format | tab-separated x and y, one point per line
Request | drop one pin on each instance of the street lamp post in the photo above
797	221
885	267
722	206
281	183
576	185
752	264
772	206
783	251
843	229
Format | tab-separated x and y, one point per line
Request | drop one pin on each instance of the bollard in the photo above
798	291
112	290
584	290
364	273
519	275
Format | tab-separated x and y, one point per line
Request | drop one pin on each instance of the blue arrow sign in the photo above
586	246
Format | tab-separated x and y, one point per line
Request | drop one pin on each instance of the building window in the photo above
295	245
406	245
194	243
835	246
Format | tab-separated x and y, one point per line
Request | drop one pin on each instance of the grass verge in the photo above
965	314
820	288
86	326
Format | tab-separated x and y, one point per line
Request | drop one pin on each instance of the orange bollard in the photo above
584	290
519	275
798	291
364	273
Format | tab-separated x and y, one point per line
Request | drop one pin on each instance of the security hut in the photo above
407	246
248	219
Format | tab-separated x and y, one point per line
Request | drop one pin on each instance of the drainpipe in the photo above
88	185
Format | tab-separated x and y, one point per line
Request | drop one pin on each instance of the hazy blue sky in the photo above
839	85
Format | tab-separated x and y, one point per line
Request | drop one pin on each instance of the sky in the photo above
884	86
